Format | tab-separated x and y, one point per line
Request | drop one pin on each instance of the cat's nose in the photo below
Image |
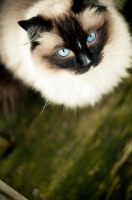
85	60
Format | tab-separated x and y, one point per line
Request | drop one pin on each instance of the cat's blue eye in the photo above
91	37
63	52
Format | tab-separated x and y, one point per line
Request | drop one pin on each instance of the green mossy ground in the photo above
63	155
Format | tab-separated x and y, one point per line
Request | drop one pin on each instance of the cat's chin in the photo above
91	69
85	70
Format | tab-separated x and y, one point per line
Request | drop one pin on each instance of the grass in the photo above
63	156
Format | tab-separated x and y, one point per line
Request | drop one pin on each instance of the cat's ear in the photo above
35	26
79	5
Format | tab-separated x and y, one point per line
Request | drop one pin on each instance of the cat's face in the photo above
73	40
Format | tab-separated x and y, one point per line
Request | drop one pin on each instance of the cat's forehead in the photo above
70	27
55	8
49	9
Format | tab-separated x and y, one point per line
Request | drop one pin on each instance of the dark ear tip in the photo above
22	24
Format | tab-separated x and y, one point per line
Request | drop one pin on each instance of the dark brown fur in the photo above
12	91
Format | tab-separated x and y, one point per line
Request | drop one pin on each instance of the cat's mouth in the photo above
91	68
84	70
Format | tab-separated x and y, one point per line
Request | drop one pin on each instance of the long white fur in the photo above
63	87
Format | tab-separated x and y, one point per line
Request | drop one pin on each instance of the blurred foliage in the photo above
120	4
62	154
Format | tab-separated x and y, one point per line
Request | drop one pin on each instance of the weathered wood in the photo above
7	193
3	197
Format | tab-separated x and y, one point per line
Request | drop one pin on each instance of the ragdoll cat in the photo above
72	51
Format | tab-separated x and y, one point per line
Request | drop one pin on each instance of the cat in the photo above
72	52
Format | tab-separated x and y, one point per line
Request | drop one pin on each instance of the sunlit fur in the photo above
62	86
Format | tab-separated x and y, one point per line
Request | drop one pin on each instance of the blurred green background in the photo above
63	154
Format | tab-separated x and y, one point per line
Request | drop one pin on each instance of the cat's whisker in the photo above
75	111
29	42
112	45
107	54
107	58
65	77
46	104
63	109
113	37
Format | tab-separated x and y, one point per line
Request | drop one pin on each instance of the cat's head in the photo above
69	36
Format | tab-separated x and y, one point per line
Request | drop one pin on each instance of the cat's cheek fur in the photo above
61	86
